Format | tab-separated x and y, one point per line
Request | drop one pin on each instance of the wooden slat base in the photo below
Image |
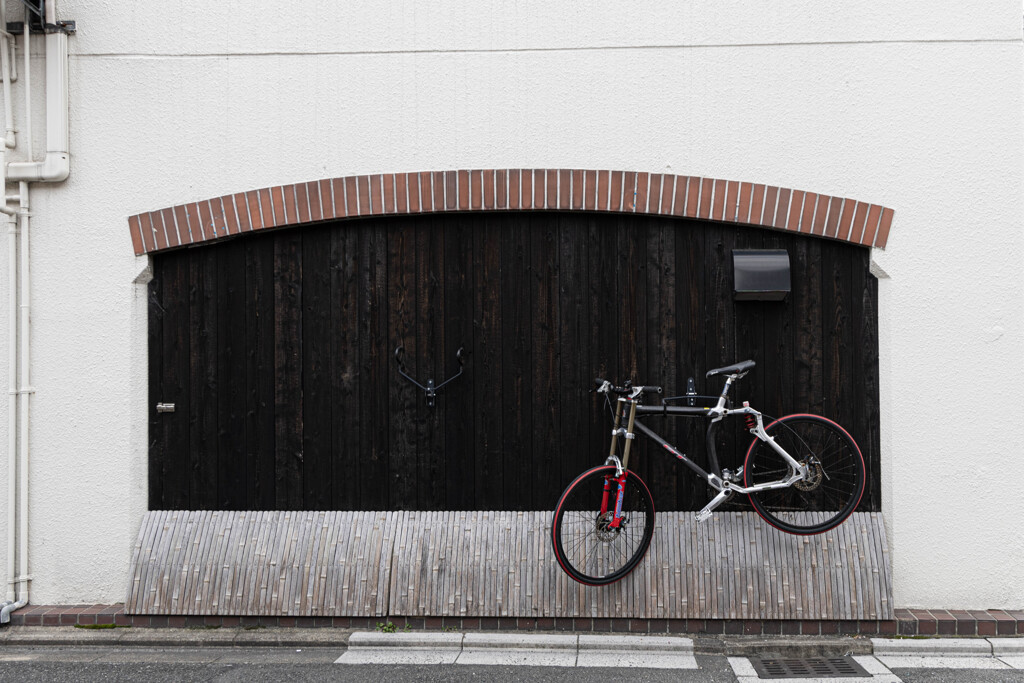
497	564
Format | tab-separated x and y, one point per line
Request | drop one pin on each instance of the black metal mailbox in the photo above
760	274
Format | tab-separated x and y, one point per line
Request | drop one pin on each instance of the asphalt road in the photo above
185	664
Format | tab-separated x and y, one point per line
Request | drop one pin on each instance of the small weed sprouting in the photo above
386	627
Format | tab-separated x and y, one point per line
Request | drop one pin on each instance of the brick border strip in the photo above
423	192
982	623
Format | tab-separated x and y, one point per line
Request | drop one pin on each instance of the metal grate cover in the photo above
815	667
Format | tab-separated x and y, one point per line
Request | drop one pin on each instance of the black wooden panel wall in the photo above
276	350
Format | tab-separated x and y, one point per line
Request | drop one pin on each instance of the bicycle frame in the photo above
715	479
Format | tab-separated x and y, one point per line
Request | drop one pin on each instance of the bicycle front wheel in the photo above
588	545
831	492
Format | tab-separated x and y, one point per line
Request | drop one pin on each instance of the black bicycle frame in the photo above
683	411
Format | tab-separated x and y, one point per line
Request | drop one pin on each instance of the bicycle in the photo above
804	474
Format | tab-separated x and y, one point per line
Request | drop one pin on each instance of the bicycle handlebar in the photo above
604	386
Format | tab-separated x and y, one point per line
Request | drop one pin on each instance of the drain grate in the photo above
815	667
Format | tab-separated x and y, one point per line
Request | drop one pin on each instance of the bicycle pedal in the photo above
703	516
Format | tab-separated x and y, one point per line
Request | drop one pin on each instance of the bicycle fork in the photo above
620	466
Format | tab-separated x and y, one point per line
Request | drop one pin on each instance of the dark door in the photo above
277	349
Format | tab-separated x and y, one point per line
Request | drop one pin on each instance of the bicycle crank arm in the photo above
705	514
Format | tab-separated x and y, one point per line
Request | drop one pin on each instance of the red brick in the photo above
438	185
418	183
564	188
733	627
476	189
678	626
757	198
551	180
387	194
461	189
135	230
540	180
149	237
515	181
684	193
883	228
487	183
657	626
707	186
871	224
291	209
401	181
415	192
206	222
744	206
277	199
641	193
782	209
926	623
732	193
526	181
810	628
846	219
266	208
986	623
859	222
620	625
577	188
590	190
654	193
796	205
771	201
1005	624
501	189
716	626
820	213
630	191
668	190
321	204
603	183
718	200
835	208
349	194
807	217
771	627
376	194
181	221
301	203
170	229
752	627
249	204
364	196
615	192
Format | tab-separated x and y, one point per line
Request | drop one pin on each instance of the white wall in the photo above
916	106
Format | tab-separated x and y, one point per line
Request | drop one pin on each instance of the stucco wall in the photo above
915	106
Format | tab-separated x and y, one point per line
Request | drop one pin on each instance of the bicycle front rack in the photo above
430	389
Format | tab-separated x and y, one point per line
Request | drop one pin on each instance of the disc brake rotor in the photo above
814	477
604	532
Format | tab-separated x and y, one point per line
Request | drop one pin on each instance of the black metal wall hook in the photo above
431	389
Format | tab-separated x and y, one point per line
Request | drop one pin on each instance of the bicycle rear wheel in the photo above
837	475
587	547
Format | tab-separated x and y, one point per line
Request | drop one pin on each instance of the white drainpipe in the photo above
54	167
56	164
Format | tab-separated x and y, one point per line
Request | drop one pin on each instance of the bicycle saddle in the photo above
741	368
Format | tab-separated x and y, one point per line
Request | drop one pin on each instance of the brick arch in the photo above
713	199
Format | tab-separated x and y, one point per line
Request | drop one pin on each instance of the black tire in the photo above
838	475
586	549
